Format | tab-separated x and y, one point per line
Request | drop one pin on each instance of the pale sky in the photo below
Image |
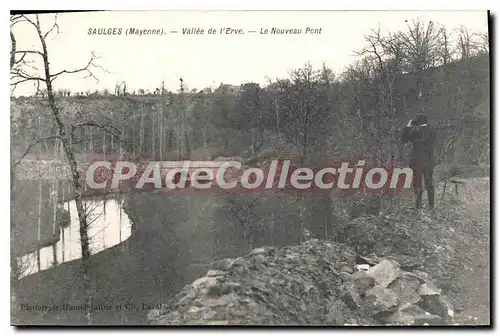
207	60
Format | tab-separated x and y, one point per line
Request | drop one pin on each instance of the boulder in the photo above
302	285
260	250
345	276
429	319
428	289
362	267
379	300
362	281
350	296
422	275
335	313
438	305
405	288
384	272
414	315
346	269
371	261
258	260
205	282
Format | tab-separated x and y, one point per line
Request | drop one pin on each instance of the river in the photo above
109	225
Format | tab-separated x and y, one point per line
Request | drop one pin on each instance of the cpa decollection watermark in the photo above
233	175
187	175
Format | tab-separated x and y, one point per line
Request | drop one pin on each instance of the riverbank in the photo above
157	261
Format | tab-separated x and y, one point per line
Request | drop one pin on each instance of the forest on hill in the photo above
313	112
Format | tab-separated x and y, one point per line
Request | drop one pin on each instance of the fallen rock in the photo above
301	285
239	265
362	281
405	288
384	272
292	285
362	267
351	296
153	314
259	250
414	315
335	313
205	282
258	260
438	305
379	299
429	319
422	275
188	296
371	260
427	289
345	276
346	269
412	310
400	318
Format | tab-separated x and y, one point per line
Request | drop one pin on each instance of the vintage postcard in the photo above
288	168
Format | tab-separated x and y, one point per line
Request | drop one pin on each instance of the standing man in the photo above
423	137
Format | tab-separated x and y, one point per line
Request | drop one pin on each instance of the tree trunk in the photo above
54	193
14	266
141	136
276	108
68	149
63	245
104	144
39	220
204	139
161	130
153	134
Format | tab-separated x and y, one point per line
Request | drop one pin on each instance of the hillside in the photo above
208	125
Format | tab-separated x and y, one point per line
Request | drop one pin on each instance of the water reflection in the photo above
108	226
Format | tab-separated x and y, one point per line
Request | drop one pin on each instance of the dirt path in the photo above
474	278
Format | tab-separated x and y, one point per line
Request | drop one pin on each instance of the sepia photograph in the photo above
250	168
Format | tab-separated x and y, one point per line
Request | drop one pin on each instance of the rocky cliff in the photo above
314	283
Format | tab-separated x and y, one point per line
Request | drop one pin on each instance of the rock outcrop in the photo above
392	296
314	283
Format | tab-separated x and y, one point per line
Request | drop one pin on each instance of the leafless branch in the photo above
106	127
15	19
29	52
24	18
21	74
30	147
87	68
54	26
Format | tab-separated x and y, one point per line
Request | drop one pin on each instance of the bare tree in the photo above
468	43
485	43
445	45
420	43
22	73
302	101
